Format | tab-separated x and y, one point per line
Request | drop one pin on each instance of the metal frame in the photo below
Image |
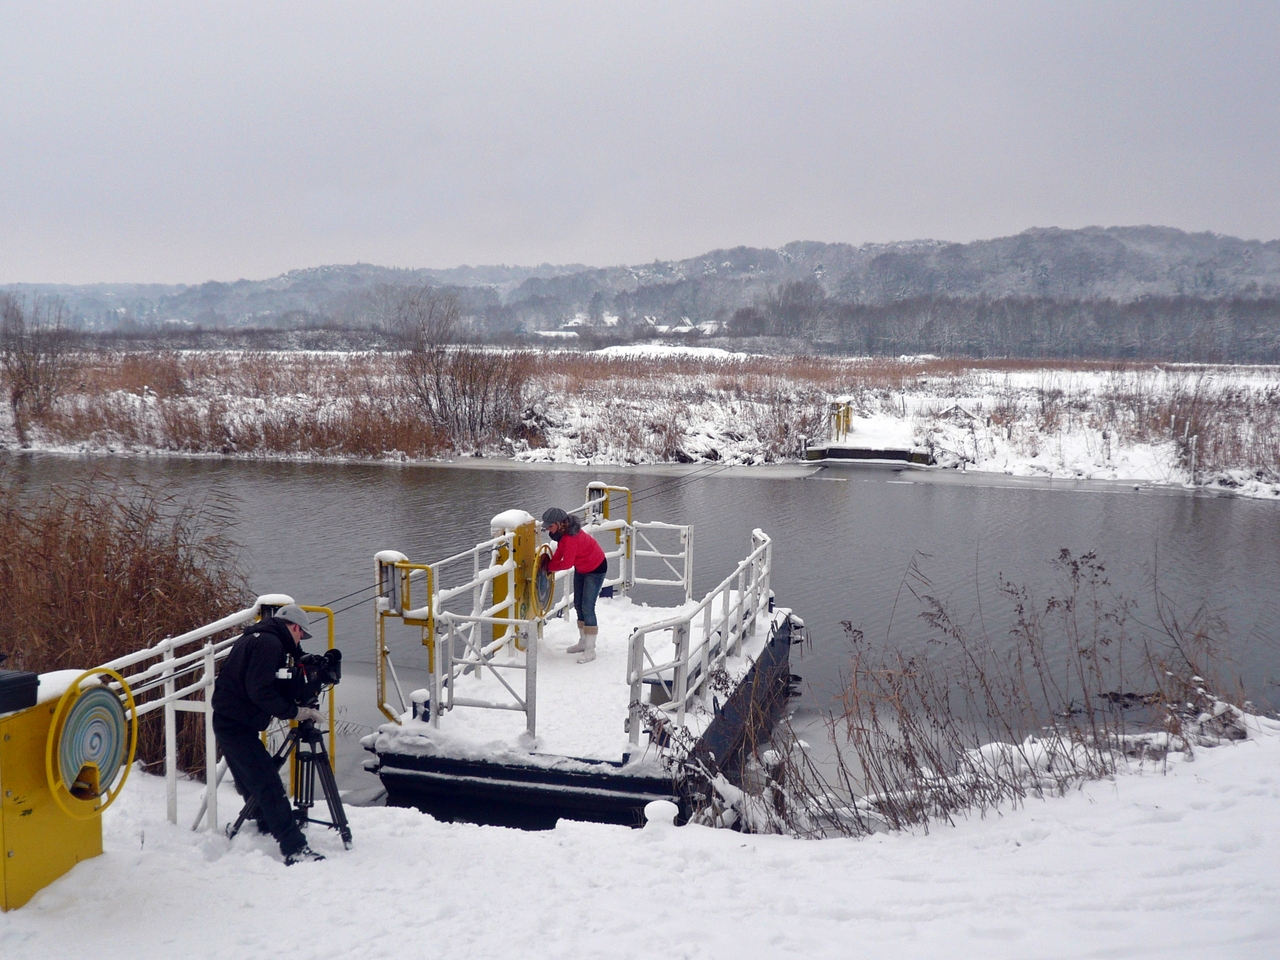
641	532
454	637
742	596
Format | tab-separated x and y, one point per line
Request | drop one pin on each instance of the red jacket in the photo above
578	550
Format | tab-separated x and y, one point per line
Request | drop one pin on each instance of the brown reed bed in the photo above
96	570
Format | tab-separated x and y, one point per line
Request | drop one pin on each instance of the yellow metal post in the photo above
333	742
38	841
501	590
605	492
395	599
524	550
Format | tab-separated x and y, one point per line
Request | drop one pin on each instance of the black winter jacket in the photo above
245	695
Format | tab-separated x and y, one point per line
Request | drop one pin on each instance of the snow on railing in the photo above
741	596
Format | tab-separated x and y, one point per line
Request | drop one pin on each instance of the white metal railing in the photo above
644	534
462	647
458	603
184	670
740	598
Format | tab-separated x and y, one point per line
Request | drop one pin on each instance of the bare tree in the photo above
420	317
466	391
35	354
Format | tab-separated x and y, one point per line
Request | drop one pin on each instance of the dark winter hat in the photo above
554	515
292	613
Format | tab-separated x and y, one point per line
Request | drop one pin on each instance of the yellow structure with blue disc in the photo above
61	763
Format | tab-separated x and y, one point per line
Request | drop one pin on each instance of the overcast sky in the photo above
185	142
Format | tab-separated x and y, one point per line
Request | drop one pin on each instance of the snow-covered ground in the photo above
1175	865
1128	425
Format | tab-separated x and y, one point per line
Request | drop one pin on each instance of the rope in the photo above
349	606
675	485
346	596
669	485
352	606
635	494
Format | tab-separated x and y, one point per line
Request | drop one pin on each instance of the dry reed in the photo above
362	405
1074	690
99	569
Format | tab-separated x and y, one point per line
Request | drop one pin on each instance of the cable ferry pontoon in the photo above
855	438
510	729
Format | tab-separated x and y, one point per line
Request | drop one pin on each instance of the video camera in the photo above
311	675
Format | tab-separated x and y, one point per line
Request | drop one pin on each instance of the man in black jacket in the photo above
245	698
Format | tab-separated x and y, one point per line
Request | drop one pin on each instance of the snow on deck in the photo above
581	707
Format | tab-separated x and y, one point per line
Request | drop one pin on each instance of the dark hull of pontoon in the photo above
534	797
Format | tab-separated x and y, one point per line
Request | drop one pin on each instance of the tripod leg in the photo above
250	809
330	786
304	787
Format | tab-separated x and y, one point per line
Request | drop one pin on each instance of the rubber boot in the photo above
580	646
588	644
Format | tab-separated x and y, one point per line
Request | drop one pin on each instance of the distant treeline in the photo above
799	318
1233	330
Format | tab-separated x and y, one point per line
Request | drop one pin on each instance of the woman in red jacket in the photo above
578	549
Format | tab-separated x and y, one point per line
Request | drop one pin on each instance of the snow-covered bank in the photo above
1204	426
1180	426
1175	865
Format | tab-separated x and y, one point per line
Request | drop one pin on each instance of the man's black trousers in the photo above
258	777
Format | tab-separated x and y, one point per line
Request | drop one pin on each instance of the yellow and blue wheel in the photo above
93	738
544	582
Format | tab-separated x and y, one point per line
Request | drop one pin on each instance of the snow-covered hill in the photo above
1117	263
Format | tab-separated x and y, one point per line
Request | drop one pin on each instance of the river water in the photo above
844	539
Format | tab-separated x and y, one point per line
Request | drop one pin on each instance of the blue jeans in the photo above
586	588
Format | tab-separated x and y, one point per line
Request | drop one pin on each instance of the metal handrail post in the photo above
434	684
210	742
768	565
333	693
170	741
740	609
629	564
726	596
686	536
635	668
681	637
533	634
706	627
452	640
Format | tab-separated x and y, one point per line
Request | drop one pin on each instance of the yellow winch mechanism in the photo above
61	765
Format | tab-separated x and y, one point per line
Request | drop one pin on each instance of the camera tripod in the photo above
312	762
